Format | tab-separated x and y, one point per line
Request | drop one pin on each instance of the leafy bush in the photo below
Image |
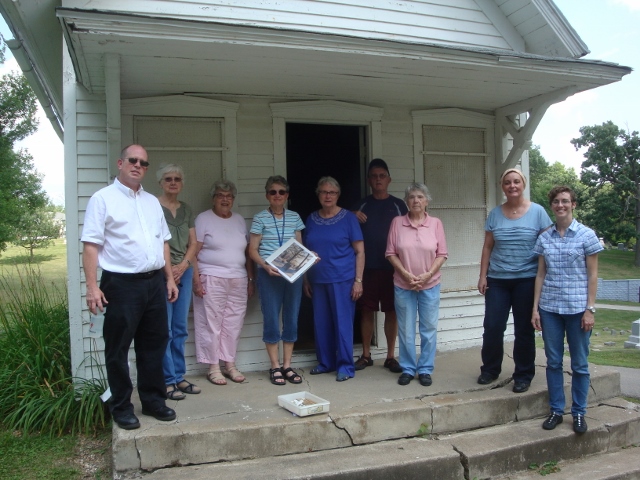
37	391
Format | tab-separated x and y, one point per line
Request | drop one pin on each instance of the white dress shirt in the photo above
130	228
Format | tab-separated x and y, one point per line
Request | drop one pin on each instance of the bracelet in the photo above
358	280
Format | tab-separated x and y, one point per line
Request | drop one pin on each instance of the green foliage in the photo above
36	229
546	468
17	108
617	264
50	456
423	430
612	172
37	392
543	177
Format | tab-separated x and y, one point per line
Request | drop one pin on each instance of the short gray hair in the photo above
419	187
279	179
225	186
171	168
330	180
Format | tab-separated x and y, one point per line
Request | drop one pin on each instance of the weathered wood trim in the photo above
561	27
502	24
114	122
74	279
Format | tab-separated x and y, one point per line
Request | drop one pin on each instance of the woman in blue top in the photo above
565	294
270	229
508	270
335	282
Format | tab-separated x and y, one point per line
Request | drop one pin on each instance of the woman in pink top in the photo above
416	247
222	282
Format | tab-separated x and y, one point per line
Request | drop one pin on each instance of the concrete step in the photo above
482	454
621	465
243	421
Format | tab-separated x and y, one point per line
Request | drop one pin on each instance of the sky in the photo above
610	28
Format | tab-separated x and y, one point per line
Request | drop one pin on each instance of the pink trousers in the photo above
218	318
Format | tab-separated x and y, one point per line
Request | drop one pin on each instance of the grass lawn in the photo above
50	262
617	265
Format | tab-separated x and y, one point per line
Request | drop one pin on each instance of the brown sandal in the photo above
232	373
216	377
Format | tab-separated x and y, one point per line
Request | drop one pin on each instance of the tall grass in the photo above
37	391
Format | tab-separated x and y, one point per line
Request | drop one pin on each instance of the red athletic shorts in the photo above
377	290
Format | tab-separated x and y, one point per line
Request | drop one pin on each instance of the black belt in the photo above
136	276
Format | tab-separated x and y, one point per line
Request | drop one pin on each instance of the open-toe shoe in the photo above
216	377
291	375
173	393
277	379
232	373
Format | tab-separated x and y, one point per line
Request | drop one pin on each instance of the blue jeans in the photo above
515	294
277	294
424	304
554	327
173	363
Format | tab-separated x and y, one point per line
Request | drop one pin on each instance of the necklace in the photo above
280	238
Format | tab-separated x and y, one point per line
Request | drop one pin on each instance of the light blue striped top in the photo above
271	228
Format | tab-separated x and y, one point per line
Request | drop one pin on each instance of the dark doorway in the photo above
313	151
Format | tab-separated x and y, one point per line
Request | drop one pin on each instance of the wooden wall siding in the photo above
433	21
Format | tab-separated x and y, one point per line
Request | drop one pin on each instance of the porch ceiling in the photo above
162	57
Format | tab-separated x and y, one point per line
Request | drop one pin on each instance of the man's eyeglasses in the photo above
224	196
380	176
133	161
172	179
328	193
278	192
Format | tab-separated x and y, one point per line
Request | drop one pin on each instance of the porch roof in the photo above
163	56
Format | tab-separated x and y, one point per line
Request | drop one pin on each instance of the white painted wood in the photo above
112	92
502	24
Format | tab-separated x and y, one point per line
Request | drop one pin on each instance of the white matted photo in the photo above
292	259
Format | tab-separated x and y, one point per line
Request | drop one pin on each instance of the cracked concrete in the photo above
243	421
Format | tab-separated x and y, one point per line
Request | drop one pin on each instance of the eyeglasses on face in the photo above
279	192
172	179
133	161
328	193
224	196
380	176
564	201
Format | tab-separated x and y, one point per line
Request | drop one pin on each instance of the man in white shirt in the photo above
125	233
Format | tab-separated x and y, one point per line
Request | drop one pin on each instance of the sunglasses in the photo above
171	179
279	192
133	161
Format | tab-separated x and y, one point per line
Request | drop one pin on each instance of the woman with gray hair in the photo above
335	282
182	248
270	229
417	248
222	283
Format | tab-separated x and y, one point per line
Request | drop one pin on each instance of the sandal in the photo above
190	387
279	379
216	377
232	373
291	375
174	394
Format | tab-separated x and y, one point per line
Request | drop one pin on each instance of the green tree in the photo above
612	171
36	229
543	177
20	186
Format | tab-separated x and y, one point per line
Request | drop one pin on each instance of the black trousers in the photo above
137	311
503	295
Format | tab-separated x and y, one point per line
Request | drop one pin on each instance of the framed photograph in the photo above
292	259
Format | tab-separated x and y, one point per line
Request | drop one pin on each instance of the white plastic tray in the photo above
303	403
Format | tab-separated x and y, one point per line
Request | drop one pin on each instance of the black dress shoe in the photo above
520	387
486	378
164	414
551	421
128	421
425	379
405	379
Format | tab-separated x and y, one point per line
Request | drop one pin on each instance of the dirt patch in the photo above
92	456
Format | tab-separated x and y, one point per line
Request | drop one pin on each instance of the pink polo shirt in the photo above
417	248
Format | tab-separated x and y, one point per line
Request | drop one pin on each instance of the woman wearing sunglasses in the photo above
270	229
182	247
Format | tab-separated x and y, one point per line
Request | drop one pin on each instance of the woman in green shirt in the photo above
183	252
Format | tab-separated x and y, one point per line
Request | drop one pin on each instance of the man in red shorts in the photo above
375	213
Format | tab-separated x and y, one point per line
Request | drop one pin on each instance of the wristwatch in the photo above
592	309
